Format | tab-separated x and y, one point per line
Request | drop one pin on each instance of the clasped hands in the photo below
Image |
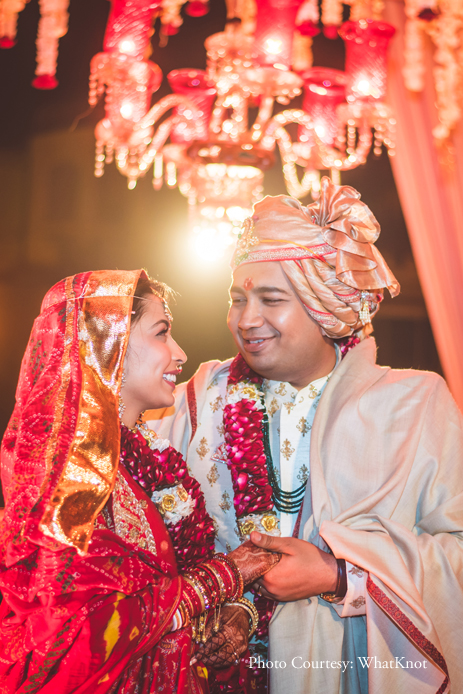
281	568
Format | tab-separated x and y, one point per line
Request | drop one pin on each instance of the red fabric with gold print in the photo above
83	610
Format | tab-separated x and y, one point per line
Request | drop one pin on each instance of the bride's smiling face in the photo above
152	362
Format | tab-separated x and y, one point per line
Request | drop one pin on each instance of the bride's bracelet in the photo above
235	573
205	588
250	609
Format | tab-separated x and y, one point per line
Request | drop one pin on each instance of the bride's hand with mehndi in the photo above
252	561
224	647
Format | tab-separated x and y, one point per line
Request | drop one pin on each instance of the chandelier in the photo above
216	134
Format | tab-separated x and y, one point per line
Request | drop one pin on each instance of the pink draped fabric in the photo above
432	203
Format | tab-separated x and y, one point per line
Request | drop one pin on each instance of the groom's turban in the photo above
326	250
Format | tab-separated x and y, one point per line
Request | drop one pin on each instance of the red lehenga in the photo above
85	609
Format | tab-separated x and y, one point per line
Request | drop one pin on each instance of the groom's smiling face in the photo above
272	329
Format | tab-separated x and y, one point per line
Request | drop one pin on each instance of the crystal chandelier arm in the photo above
126	166
276	133
263	117
162	106
160	138
325	156
217	115
296	188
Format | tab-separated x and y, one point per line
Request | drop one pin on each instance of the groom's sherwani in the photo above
384	492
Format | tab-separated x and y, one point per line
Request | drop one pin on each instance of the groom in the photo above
352	471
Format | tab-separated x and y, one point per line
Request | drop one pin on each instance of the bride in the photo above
107	564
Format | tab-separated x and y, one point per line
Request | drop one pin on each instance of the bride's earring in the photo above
121	402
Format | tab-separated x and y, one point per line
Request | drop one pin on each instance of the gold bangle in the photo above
197	589
252	613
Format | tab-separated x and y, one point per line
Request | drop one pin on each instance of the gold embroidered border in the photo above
130	521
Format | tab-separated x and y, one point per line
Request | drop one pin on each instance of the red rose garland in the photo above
193	537
247	461
244	445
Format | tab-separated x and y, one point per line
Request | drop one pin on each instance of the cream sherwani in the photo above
384	492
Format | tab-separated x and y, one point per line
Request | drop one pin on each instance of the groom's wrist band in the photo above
341	584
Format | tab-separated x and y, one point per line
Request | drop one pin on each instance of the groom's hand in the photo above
303	570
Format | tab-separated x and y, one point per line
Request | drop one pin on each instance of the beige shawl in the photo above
386	493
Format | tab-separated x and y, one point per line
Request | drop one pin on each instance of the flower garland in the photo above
244	444
243	417
163	474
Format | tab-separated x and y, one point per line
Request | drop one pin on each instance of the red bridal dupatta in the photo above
84	610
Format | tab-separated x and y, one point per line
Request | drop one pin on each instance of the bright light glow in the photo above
273	46
320	130
366	88
237	214
126	109
216	170
318	90
227	126
211	243
363	86
127	46
243	172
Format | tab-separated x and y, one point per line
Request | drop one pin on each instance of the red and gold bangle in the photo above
184	614
208	578
238	584
192	590
217	578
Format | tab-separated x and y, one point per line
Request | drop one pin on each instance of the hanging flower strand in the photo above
53	25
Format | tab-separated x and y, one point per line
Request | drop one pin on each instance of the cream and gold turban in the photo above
327	252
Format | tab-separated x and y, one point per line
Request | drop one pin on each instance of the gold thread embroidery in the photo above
303	426
225	503
213	475
287	450
358	602
303	474
281	390
216	404
130	522
212	384
246	240
273	407
203	448
221	429
356	570
289	406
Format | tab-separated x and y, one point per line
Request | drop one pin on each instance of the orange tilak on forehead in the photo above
248	284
